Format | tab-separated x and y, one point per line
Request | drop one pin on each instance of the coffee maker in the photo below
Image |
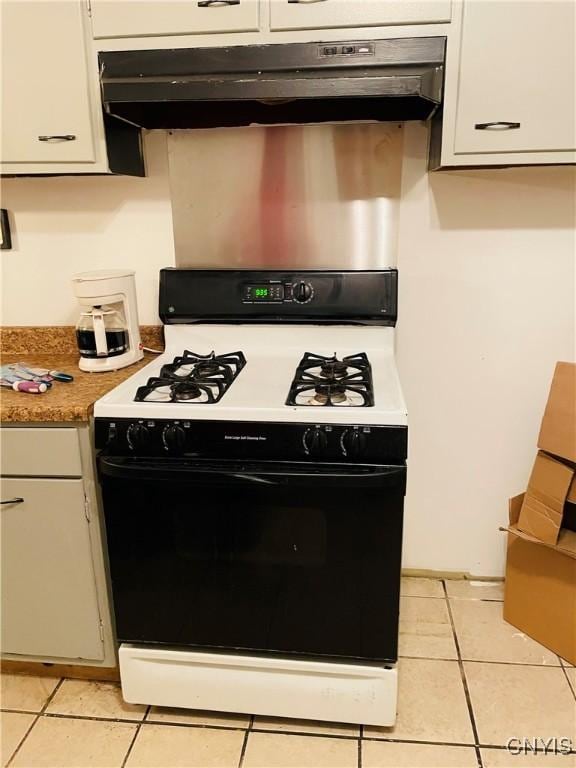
107	333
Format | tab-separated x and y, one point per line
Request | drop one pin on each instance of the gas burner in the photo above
163	390
186	391
325	392
193	378
199	367
206	369
333	368
328	381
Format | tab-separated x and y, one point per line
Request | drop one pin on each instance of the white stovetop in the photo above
259	392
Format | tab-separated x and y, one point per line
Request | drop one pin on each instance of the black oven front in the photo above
267	557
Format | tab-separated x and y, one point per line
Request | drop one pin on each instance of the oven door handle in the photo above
275	473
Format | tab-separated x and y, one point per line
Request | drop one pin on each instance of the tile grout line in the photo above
486	661
464	681
563	668
360	749
38	716
137	731
469	745
245	740
126	721
244	747
314	734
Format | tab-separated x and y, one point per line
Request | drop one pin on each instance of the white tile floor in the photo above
468	682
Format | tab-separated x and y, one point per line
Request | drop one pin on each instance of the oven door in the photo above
278	558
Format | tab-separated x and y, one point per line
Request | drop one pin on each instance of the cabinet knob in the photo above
63	137
16	500
497	126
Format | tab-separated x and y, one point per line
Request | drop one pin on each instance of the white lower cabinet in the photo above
49	602
54	595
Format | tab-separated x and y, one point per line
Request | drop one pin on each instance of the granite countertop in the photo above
63	402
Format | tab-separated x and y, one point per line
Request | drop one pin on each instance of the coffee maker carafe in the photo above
107	331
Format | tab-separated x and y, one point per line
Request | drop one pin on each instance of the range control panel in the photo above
247	440
201	295
276	292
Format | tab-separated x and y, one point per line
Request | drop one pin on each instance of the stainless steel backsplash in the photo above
312	197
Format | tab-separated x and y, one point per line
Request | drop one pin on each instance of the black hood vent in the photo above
293	83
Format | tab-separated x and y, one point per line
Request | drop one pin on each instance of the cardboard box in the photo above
552	485
547	496
540	590
558	429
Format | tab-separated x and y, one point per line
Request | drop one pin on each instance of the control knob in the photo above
138	436
174	437
315	441
302	292
353	443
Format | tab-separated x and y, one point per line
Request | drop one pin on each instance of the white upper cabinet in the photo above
511	93
137	18
323	14
517	77
46	114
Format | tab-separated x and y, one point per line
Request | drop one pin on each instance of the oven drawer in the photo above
349	693
272	557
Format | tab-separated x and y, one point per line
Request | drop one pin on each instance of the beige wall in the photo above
486	265
487	283
64	225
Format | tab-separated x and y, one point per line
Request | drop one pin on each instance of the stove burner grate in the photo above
328	381
193	378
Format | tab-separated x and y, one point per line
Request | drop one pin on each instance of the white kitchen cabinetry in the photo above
45	95
163	17
54	596
52	119
511	92
324	14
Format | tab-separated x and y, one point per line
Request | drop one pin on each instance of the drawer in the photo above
139	18
40	452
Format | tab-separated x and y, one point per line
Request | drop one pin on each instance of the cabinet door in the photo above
517	68
49	600
318	14
45	91
134	18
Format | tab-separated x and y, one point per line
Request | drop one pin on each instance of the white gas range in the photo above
260	390
253	479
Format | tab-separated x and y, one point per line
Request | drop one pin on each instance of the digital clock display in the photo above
263	292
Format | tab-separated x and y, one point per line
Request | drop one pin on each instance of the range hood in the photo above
291	83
